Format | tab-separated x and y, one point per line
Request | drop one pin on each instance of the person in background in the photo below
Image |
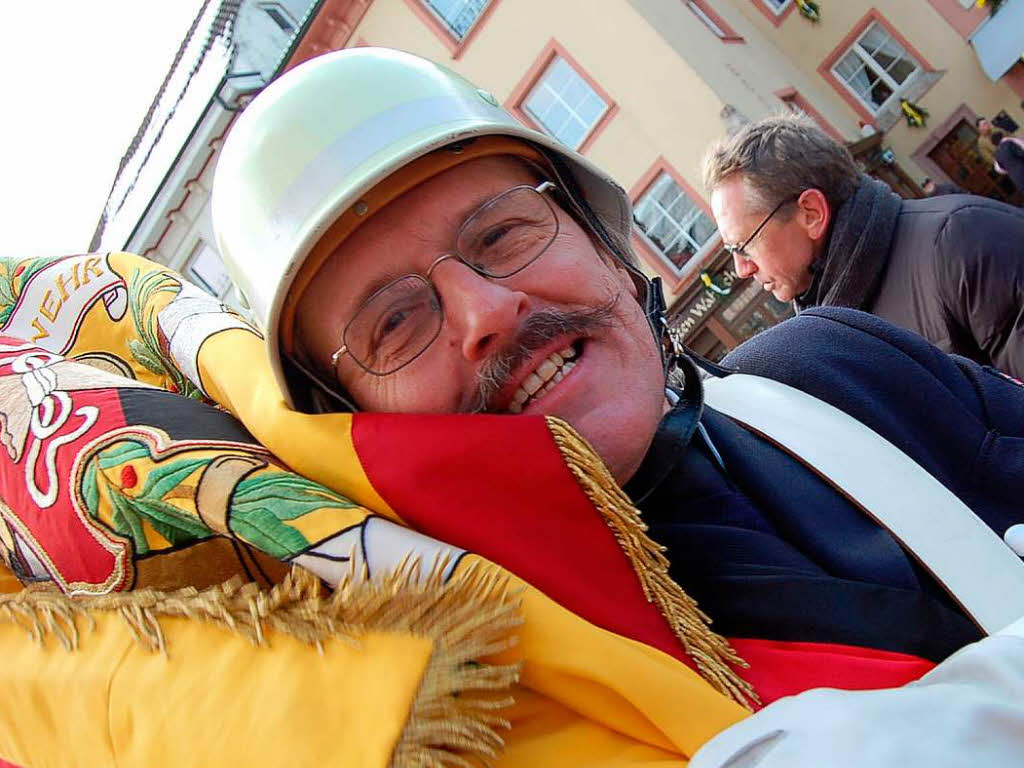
1009	157
931	189
986	150
800	218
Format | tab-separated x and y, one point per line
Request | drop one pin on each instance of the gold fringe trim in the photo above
711	652
454	720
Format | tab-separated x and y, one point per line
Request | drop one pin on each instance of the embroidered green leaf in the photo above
174	524
146	358
165	477
9	297
90	493
289	496
126	521
122	452
261	527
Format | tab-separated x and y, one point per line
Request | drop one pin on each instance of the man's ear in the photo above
814	213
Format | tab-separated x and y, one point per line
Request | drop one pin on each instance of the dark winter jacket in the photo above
1010	160
771	551
950	268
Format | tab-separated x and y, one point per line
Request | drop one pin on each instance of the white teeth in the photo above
551	371
547	369
532	383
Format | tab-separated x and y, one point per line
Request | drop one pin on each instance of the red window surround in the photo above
771	15
963	20
674	282
793	96
515	100
730	35
825	68
455	46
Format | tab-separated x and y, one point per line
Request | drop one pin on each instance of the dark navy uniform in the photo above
770	550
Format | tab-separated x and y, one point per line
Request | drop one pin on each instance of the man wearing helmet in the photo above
420	251
439	307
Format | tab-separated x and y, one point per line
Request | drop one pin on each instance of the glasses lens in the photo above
508	233
394	325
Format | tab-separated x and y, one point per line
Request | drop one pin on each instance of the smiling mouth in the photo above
545	377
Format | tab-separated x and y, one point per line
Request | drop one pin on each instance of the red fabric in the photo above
780	669
497	486
81	551
5	764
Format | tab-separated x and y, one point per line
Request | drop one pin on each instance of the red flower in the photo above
172	387
129	477
19	270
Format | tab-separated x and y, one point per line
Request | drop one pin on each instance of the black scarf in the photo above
851	271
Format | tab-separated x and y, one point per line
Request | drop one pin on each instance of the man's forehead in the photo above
729	203
412	230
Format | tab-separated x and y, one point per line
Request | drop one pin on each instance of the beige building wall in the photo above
747	74
667	105
941	46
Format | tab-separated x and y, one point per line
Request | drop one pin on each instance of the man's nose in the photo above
485	313
744	266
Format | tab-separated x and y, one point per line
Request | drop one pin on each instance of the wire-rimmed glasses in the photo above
398	322
741	250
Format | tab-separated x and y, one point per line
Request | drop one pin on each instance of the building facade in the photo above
643	86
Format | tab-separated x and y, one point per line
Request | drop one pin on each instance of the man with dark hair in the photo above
799	217
1009	157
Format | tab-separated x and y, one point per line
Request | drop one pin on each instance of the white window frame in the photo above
779	9
449	25
868	62
203	250
283	13
541	82
695	212
708	21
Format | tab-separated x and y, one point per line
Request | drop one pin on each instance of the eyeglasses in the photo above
397	323
733	250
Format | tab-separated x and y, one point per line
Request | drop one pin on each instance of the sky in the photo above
76	80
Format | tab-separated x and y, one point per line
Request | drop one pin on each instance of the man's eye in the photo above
494	235
392	322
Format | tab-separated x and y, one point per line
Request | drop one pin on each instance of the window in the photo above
708	21
718	26
458	16
281	17
777	6
564	104
876	67
672	222
207	271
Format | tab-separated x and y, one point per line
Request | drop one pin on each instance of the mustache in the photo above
540	328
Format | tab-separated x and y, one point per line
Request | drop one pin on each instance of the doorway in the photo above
960	157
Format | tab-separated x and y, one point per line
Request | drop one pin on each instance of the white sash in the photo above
959	550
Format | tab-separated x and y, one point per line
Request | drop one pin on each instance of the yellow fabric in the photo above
587	696
213	700
8	581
